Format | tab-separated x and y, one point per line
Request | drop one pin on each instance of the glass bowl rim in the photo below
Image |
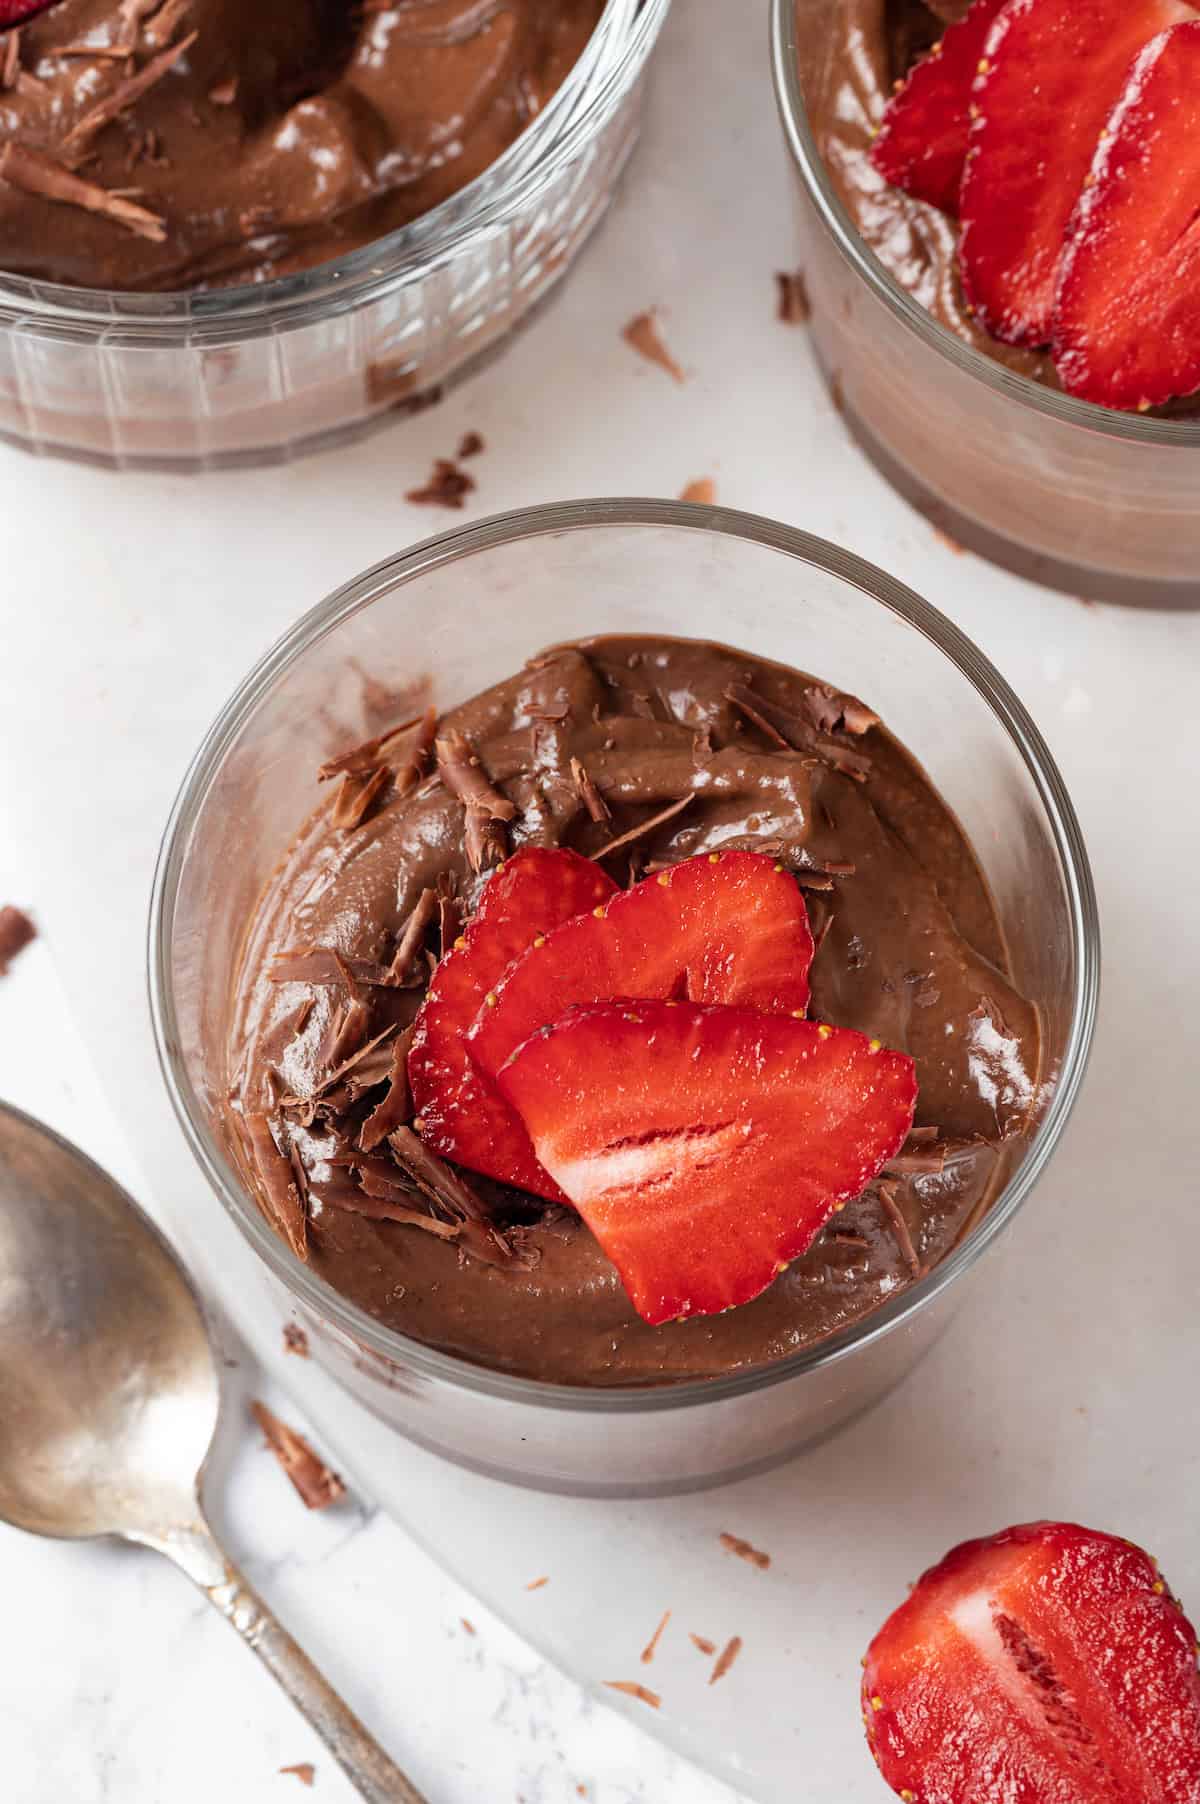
176	318
1134	428
556	518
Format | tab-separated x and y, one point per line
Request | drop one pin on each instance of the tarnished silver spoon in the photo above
109	1398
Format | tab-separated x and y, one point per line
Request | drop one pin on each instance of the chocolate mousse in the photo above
191	144
637	753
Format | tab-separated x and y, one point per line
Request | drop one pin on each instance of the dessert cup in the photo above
465	609
261	373
1094	501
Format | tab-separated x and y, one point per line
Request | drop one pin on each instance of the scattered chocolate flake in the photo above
799	732
396	1107
651	1647
793	305
549	713
744	702
484	841
317	1483
470	445
351	1063
295	1340
166	21
702	490
642	335
811	877
323	966
537	1583
224	93
16	931
468	1626
38	174
304	1770
703	1643
345	1033
833	711
462	772
360	760
744	1551
899	1225
357	796
410	772
920	1154
725	1659
11	67
647	826
952	545
278	1184
844	1237
449	913
413	936
448	486
589	795
377	1208
448	1191
79	139
633	1689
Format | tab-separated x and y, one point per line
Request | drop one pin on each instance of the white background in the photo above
131	607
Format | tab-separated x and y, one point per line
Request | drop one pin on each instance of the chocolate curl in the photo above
589	795
396	1108
79	139
357	796
34	173
317	1483
464	776
448	1192
361	759
644	827
413	937
899	1226
278	1183
801	735
833	711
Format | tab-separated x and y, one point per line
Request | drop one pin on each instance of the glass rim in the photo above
556	518
610	61
832	211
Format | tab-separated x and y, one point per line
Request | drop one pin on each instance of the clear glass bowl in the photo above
258	374
1094	501
466	609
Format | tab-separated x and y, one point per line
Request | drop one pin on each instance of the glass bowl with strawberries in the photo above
1002	270
621	1048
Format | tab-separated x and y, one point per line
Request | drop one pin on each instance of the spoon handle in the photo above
352	1745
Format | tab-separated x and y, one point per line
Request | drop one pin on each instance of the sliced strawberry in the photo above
706	1147
1127	315
461	1113
922	143
726	927
1049	1662
14	12
1051	74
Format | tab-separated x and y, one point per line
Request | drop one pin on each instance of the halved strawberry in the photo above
726	927
1049	1662
14	12
462	1115
922	143
1051	74
706	1147
1127	314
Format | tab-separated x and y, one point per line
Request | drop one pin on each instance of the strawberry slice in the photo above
922	144
1051	74
462	1115
1048	1662
706	1147
1127	315
15	12
726	927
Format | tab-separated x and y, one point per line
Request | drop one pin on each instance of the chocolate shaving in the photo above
295	1340
223	93
360	760
537	1583
844	1237
322	966
793	307
468	1626
413	936
278	1184
304	1770
356	1202
345	1034
725	1659
37	174
449	913
162	27
358	795
470	445
810	877
832	711
123	96
396	1107
918	1156
703	490
744	1551
551	713
899	1225
802	735
703	1643
647	826
641	333
348	1064
651	1647
484	841
410	772
447	486
317	1483
589	795
633	1689
463	774
455	1198
11	67
16	932
744	703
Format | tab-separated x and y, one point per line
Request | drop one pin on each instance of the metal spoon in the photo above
109	1398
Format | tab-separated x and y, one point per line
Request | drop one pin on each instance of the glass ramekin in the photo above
465	609
259	374
1097	502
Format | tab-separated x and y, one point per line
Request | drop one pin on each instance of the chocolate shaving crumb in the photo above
413	937
357	796
943	538
641	333
224	93
449	914
589	795
833	711
904	1240
409	773
794	306
396	1107
470	445
703	1643
377	1208
12	59
278	1184
323	966
468	1626
744	1551
537	1583
744	703
317	1483
484	840
295	1340
844	1237
304	1770
448	486
161	28
803	736
647	826
651	1647
812	878
360	760
725	1659
633	1689
702	490
463	774
37	174
918	1156
79	138
16	931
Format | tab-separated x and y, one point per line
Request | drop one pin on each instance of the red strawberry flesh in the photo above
1127	319
706	1147
1048	1662
1053	71
727	927
462	1114
922	143
14	12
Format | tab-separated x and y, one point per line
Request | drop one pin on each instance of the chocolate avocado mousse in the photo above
636	755
184	144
